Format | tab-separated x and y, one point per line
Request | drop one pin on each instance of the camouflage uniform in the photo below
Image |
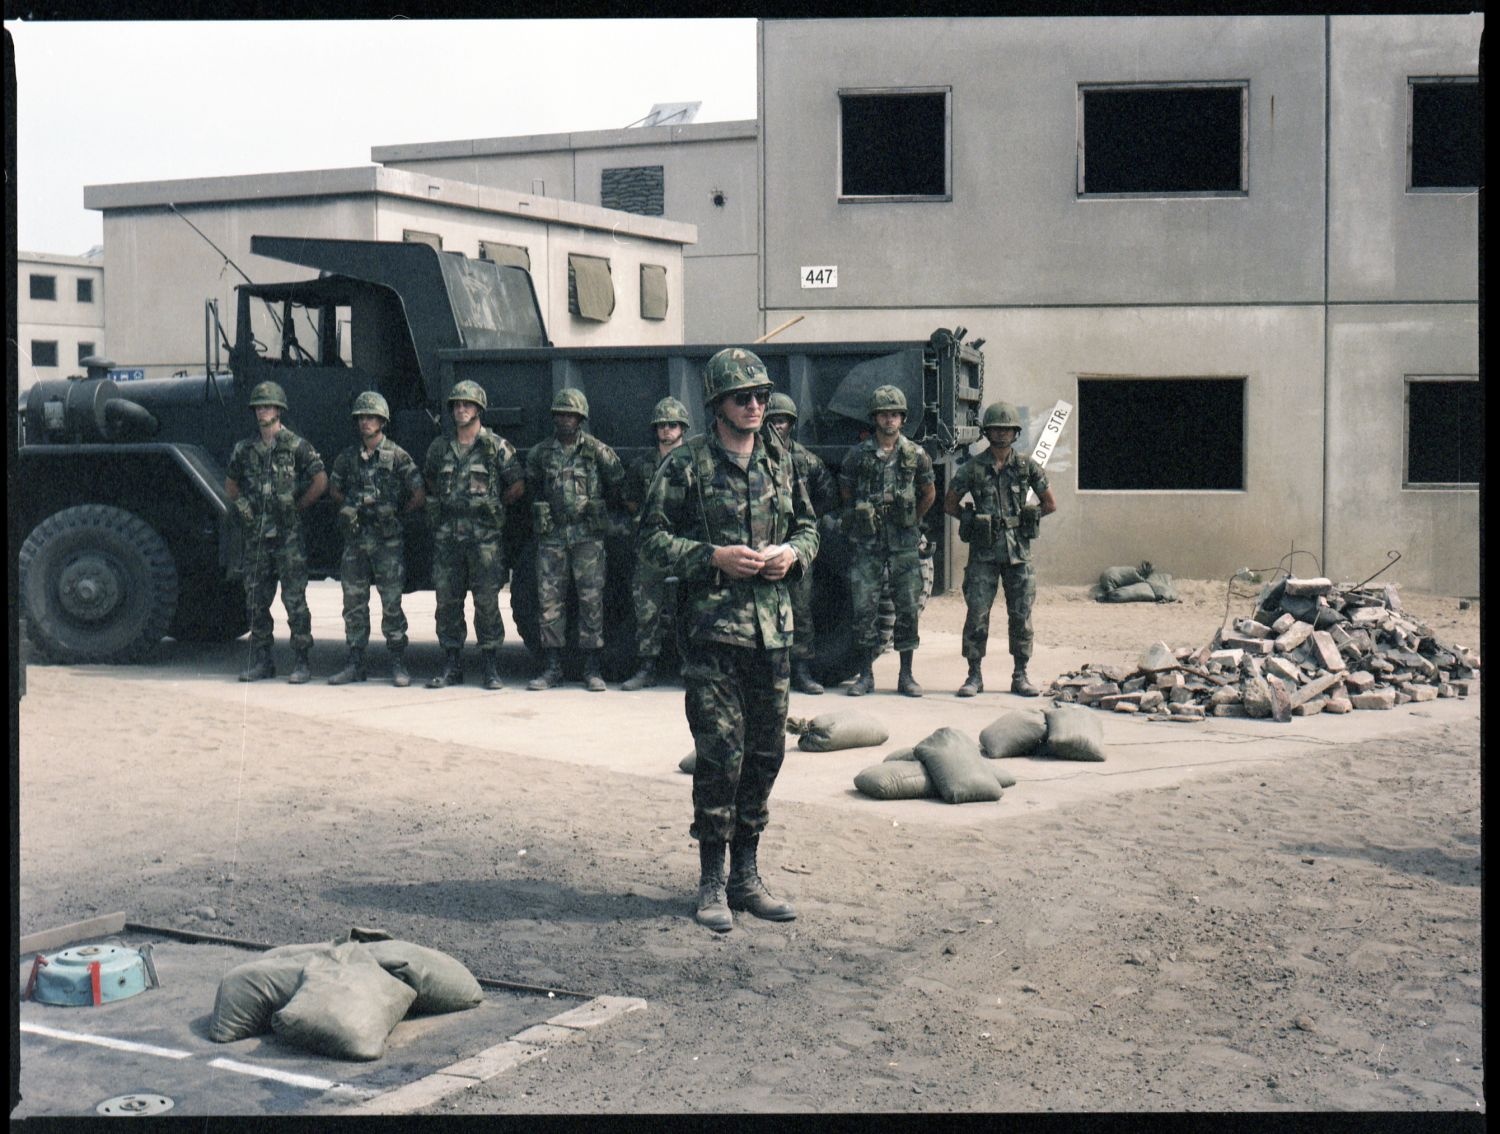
376	485
649	591
575	483
271	478
881	524
735	634
823	491
468	522
1000	494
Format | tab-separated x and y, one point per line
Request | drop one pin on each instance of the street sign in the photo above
1048	440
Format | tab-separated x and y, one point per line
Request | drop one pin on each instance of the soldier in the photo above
374	483
470	480
573	478
271	480
648	588
998	525
823	490
728	516
887	485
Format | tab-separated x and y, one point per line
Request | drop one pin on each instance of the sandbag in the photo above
1133	592
688	762
251	992
958	770
441	982
1074	733
896	779
903	754
345	1007
1015	734
831	732
1161	586
1113	578
1004	778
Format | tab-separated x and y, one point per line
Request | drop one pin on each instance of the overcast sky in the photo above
99	103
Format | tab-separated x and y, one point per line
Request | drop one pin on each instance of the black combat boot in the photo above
592	680
260	666
491	674
974	683
642	678
1019	684
906	684
400	677
746	891
803	681
713	905
300	671
453	669
865	682
354	668
551	675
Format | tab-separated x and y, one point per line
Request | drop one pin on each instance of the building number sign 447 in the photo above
821	275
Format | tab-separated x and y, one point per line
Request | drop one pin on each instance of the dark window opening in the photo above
1162	139
85	291
634	189
84	351
1447	141
43	353
894	145
43	287
1183	434
1444	444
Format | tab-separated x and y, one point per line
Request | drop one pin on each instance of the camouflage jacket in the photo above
1000	493
577	484
272	477
822	486
701	500
465	487
884	492
377	486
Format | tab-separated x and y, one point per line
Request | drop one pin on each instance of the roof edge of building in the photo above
574	140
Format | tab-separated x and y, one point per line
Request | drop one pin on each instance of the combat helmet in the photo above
669	411
733	368
268	394
1000	415
781	405
570	400
372	404
884	398
467	391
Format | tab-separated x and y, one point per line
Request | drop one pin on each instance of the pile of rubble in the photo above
1309	648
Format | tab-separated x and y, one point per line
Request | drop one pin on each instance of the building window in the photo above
1446	142
85	290
653	291
591	288
43	287
43	354
1172	434
506	255
413	236
634	189
1444	445
893	144
84	351
1149	139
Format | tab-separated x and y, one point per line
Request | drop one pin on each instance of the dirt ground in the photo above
1297	935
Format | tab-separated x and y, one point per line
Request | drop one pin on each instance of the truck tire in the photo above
210	611
97	584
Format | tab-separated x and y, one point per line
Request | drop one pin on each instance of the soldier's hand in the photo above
243	510
738	561
779	560
348	519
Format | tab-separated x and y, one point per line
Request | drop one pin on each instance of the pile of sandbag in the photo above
1309	647
1134	584
339	998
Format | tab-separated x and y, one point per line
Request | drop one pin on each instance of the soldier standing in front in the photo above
729	517
573	479
271	480
998	525
887	485
374	483
470	479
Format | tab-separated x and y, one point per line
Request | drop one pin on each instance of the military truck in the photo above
120	486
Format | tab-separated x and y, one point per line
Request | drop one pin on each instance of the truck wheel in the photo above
98	585
210	611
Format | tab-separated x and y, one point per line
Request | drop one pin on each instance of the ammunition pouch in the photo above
902	511
984	530
244	512
966	523
860	522
1030	525
348	520
541	518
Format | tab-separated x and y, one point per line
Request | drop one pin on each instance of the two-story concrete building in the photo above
59	313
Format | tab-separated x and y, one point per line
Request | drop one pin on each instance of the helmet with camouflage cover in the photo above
268	394
782	406
733	368
372	404
570	400
670	411
467	391
886	398
1001	415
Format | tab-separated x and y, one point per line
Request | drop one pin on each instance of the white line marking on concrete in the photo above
311	1082
106	1041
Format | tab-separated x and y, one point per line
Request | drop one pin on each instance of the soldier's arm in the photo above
802	537
926	494
612	473
416	498
1043	491
951	500
231	488
314	491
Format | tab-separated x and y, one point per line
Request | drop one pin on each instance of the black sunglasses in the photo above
745	397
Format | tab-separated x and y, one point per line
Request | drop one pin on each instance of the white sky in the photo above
99	103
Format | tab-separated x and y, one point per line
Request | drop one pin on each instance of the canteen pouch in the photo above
541	517
862	520
966	523
1031	522
984	531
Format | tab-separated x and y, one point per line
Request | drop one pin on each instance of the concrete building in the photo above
59	313
702	174
1244	248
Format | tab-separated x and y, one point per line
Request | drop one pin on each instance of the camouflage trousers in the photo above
804	640
982	580
461	566
369	557
268	562
736	709
867	575
583	563
650	594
